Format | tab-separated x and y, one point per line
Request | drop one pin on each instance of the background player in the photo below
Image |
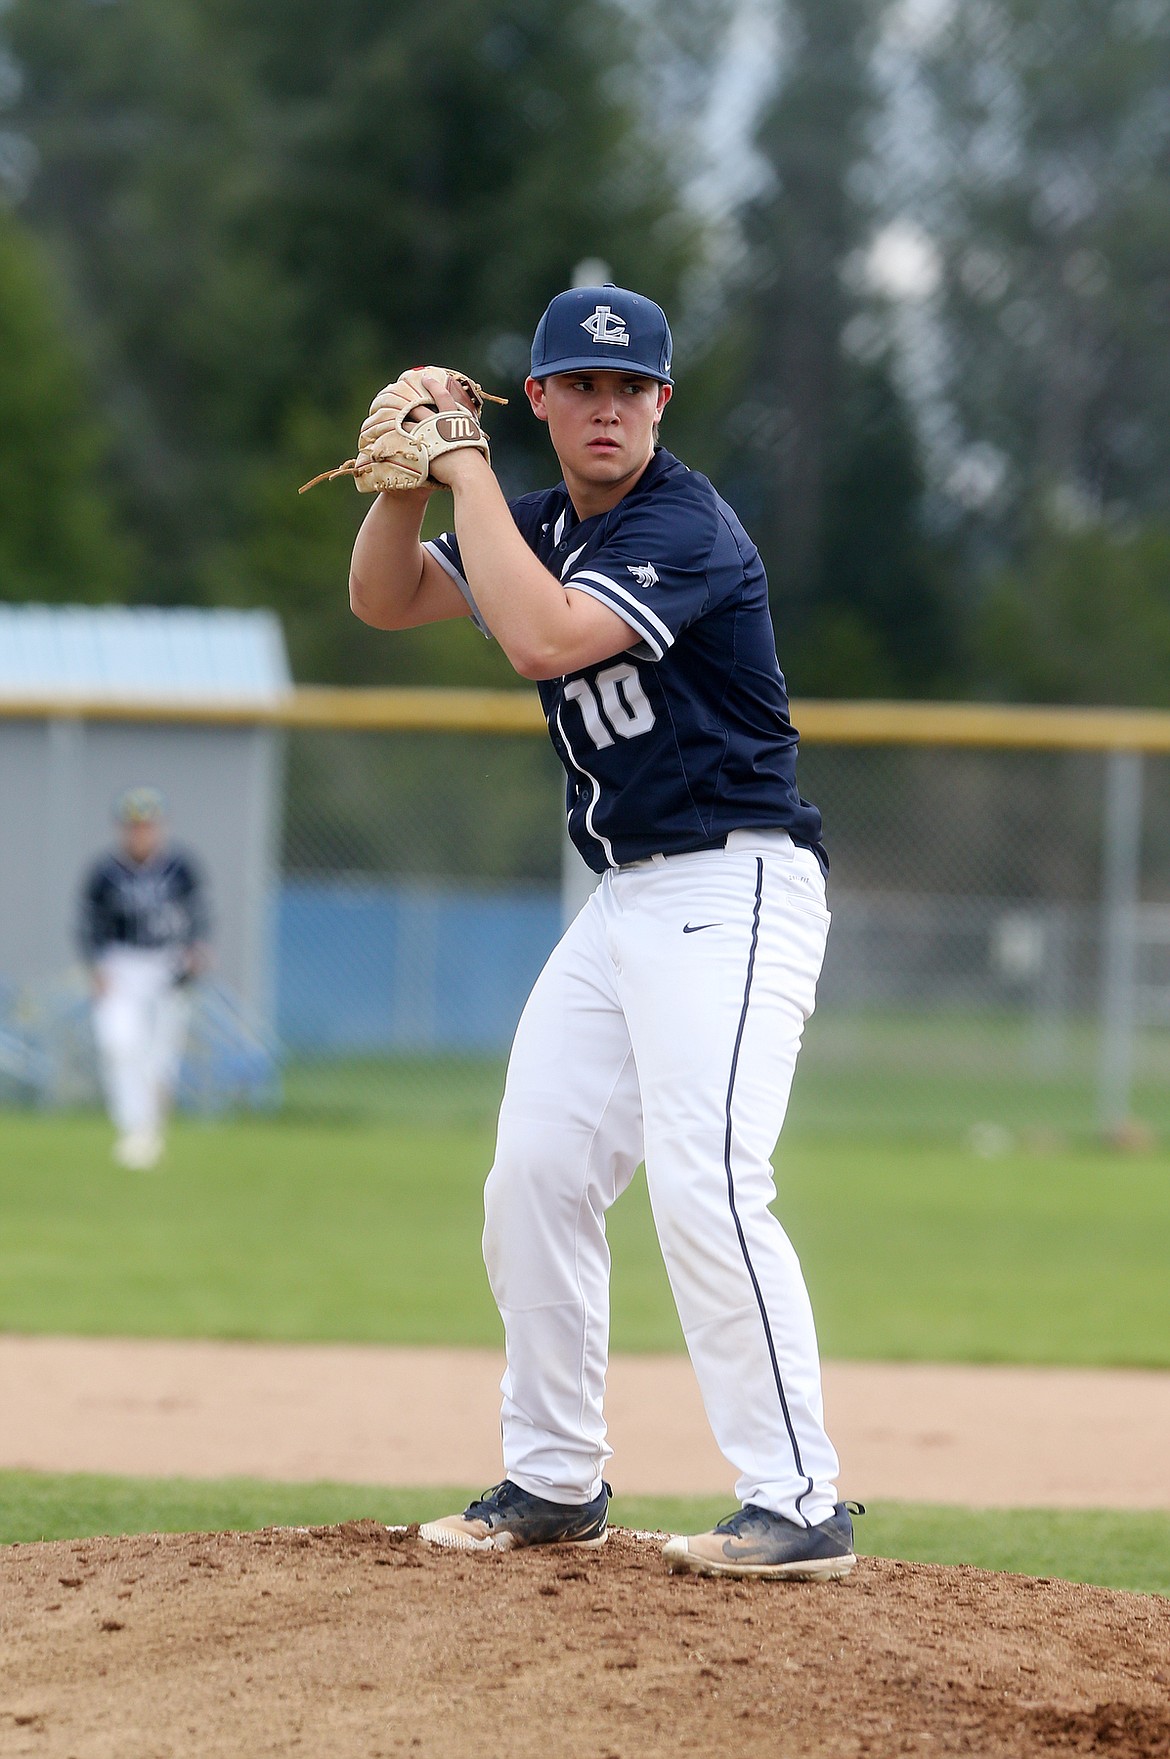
666	1024
143	934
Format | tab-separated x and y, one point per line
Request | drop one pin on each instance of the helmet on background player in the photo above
604	328
140	806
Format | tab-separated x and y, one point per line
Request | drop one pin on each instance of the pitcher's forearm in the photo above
386	570
544	630
522	604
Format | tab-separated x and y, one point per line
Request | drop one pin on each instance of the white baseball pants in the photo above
664	1027
140	1025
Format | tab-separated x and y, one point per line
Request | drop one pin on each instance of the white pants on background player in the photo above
140	1024
665	1026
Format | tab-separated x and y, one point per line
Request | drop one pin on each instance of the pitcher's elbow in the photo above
361	607
535	660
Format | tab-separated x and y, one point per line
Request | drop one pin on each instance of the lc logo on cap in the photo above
627	326
606	326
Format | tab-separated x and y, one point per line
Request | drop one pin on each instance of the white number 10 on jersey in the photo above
619	703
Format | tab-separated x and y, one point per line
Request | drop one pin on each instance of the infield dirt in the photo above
983	1435
355	1641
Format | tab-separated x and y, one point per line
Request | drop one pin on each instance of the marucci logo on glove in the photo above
457	427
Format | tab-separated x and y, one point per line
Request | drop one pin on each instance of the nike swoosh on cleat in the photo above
697	927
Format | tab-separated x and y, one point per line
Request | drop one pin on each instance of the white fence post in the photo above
1120	893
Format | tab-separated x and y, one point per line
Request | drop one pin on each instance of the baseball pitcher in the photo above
666	1025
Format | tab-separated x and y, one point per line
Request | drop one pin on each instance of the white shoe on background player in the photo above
140	1150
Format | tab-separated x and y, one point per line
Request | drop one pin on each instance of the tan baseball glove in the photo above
405	430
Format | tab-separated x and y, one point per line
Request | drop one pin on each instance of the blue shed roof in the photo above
118	652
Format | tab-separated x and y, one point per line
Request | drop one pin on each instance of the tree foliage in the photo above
250	214
1051	209
58	538
1084	617
823	449
269	209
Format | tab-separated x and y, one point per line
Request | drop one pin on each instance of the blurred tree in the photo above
824	450
58	539
1050	206
429	201
799	233
142	124
884	620
1083	617
268	208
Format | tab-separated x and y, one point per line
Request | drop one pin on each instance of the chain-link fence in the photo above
999	956
967	985
998	967
420	892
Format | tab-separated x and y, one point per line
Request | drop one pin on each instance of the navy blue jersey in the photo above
155	903
685	736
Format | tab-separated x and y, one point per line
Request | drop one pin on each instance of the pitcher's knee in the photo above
535	1184
529	1146
499	1204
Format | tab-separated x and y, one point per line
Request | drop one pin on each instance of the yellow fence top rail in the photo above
518	711
983	723
375	711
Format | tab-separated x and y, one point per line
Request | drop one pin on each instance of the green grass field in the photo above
316	1225
278	1228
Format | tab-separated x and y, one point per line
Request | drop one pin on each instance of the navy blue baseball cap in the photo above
606	328
140	806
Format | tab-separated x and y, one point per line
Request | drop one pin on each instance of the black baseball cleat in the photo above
755	1542
507	1518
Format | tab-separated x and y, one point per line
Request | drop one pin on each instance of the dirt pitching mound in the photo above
354	1641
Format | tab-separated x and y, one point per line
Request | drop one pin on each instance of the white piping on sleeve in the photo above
647	647
448	567
622	592
443	559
